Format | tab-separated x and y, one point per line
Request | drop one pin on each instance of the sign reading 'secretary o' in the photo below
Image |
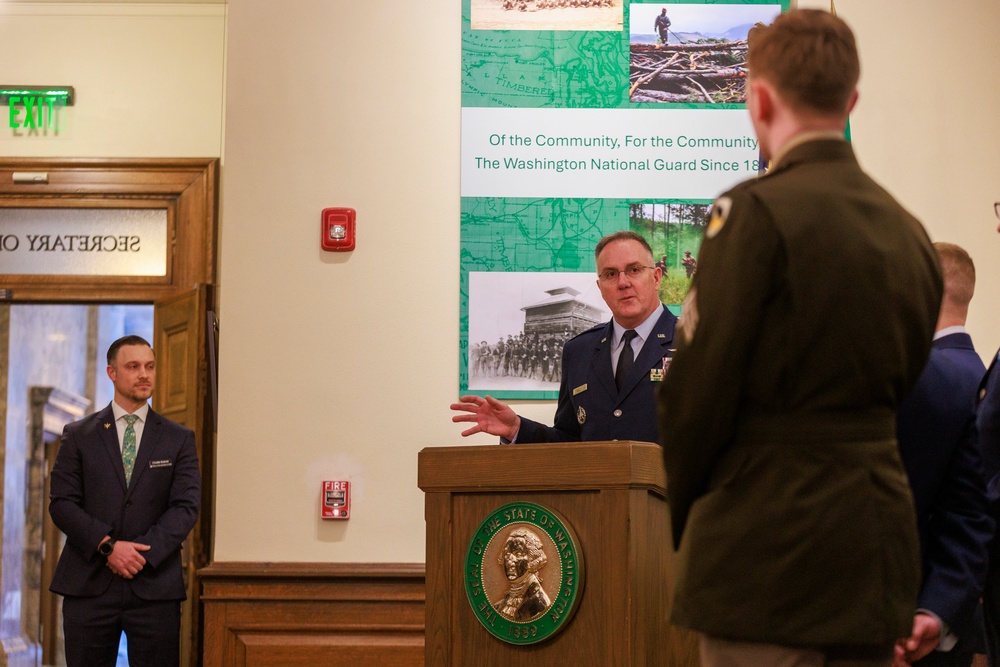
523	573
83	242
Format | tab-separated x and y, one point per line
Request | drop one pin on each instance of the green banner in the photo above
581	118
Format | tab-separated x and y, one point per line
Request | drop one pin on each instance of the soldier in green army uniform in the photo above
808	320
689	263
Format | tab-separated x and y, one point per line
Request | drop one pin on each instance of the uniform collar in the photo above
803	138
643	330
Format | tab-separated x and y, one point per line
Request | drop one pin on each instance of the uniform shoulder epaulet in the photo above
593	329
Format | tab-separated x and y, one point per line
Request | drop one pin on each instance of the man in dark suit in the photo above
601	397
125	489
988	421
809	319
940	448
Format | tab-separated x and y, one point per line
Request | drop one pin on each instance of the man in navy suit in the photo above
610	373
125	489
939	445
988	420
989	429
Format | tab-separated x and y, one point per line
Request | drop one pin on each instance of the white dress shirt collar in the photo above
121	412
947	331
643	330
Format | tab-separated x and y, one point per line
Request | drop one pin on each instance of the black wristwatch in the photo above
106	548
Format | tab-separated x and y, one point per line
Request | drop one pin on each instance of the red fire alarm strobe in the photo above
337	229
336	501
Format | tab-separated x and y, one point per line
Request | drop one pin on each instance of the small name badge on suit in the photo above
579	390
163	463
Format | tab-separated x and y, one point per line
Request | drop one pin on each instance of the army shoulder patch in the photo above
523	573
720	213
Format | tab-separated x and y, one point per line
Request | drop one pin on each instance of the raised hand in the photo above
489	415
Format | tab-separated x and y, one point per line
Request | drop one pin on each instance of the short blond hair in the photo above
959	273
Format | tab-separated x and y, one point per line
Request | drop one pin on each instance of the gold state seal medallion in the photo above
523	573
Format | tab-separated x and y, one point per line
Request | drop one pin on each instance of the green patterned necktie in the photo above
128	447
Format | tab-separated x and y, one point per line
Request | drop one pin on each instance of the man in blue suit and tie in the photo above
610	373
939	444
125	489
988	420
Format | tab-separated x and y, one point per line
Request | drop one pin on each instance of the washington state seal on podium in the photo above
523	573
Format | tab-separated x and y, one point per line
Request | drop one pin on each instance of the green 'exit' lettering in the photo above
39	111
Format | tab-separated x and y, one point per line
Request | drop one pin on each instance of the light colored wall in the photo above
343	366
336	366
148	78
927	126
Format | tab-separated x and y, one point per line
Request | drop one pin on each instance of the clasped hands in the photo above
126	558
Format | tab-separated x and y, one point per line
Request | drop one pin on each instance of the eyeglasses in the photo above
631	272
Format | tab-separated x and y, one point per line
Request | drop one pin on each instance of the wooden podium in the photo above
612	495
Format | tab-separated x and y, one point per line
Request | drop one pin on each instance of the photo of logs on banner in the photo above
535	5
706	72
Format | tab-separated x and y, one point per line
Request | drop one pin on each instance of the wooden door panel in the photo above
180	341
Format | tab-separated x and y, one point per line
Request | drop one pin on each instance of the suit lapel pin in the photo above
107	426
661	335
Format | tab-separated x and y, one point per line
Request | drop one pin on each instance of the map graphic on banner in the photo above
581	118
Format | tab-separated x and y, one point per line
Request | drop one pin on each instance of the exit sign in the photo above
35	107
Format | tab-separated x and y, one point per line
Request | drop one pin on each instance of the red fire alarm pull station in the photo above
336	502
338	229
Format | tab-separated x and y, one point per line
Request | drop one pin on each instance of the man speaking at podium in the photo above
808	321
610	372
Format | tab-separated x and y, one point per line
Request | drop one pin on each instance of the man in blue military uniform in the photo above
939	445
610	372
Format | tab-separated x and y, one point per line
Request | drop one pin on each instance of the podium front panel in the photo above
621	524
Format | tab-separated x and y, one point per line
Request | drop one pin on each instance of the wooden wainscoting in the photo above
308	614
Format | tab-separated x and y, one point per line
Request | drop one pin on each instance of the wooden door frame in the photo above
187	188
184	394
